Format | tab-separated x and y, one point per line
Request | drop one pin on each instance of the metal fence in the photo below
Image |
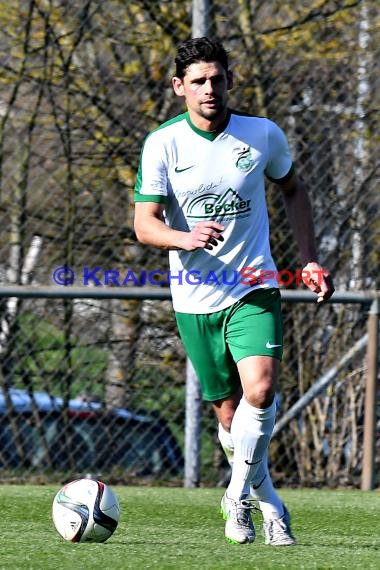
81	85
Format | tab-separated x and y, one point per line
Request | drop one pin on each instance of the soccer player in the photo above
200	193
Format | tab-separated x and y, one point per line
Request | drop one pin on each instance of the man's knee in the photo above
260	394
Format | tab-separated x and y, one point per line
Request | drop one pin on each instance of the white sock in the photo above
263	491
227	444
251	430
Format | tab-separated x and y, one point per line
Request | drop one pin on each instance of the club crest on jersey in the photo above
244	161
227	205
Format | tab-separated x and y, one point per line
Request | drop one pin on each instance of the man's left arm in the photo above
299	213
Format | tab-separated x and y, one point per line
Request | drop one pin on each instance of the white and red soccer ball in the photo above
86	510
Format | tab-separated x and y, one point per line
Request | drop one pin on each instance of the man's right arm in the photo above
151	230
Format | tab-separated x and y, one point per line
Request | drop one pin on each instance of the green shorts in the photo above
215	342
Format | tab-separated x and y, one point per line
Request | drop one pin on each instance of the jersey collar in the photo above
209	135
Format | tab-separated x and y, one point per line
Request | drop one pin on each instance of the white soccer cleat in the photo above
239	525
277	532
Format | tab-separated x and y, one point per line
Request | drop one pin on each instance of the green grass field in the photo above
174	528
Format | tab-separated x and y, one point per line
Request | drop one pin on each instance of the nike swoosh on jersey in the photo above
270	345
183	169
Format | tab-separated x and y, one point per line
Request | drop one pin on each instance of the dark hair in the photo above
199	49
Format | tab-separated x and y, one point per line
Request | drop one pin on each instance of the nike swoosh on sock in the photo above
255	487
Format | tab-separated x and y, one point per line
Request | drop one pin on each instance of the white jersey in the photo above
201	176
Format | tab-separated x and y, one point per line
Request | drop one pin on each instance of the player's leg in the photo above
237	509
251	429
254	337
246	447
255	340
204	340
253	421
277	529
261	488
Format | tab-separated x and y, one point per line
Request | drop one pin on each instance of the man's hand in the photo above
205	235
318	280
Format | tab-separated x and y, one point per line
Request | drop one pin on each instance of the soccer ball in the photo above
86	510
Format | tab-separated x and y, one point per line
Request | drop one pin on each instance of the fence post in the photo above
193	428
369	440
201	17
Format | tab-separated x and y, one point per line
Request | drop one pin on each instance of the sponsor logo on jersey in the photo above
207	206
245	160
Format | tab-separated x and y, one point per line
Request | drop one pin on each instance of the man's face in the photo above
204	88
